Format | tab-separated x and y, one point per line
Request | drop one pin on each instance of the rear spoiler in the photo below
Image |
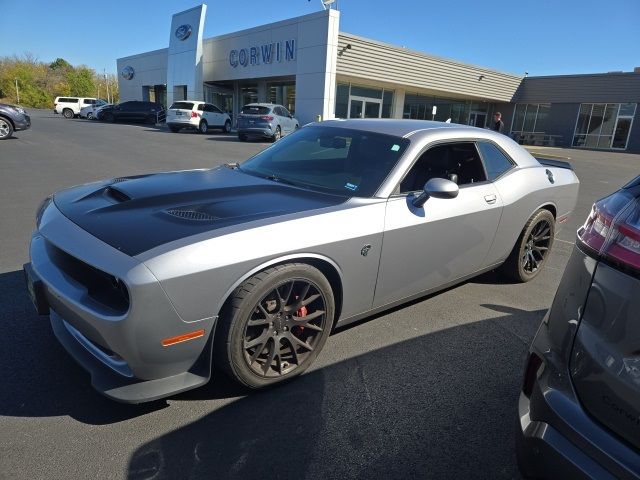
554	163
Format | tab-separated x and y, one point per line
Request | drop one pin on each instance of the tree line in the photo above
39	83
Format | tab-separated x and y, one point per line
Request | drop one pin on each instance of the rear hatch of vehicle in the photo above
605	360
181	112
255	116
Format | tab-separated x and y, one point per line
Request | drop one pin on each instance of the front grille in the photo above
101	287
195	215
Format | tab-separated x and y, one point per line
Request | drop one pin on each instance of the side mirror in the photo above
437	188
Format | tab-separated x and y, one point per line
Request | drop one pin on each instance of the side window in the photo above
201	108
458	162
87	101
495	161
278	111
215	109
285	112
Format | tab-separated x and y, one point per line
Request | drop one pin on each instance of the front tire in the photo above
203	127
227	127
67	113
531	251
274	325
6	129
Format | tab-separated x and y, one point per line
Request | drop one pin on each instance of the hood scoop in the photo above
190	214
118	195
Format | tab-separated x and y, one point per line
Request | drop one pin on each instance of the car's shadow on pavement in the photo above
441	405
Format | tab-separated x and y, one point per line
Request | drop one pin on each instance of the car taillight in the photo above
612	229
531	373
194	115
268	118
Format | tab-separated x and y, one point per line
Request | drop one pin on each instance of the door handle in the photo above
490	199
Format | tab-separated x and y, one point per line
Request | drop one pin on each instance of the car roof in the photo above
262	105
405	128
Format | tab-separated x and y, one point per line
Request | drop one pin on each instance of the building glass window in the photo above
530	118
420	107
249	94
604	125
283	93
357	101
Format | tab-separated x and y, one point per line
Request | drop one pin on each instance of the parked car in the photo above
265	120
133	111
579	408
12	119
137	273
89	111
70	107
198	115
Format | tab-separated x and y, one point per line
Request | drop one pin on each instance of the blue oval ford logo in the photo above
127	73
183	32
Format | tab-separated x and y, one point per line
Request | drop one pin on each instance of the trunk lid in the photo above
605	359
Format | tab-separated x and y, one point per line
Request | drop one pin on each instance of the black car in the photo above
134	111
12	118
579	409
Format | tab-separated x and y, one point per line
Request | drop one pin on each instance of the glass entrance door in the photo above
360	107
477	119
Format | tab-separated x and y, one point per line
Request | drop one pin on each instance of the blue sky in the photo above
543	37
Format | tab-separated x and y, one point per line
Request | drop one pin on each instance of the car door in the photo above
123	111
288	118
428	247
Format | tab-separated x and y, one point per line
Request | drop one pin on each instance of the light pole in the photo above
17	92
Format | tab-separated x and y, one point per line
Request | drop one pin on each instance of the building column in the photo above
398	104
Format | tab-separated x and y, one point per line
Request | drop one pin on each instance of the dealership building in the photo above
316	71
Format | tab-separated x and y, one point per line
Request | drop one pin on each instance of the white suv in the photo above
70	107
198	115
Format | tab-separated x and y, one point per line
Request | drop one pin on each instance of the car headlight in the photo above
41	208
20	110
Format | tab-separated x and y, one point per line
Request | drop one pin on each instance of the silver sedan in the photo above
150	281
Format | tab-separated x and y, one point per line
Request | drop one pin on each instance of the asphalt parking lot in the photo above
424	391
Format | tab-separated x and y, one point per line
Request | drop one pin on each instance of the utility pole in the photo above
107	84
17	92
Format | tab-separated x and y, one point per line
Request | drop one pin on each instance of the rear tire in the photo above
67	113
108	117
277	135
203	127
263	337
6	128
89	116
532	249
227	127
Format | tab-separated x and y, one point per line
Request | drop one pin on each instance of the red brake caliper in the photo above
301	312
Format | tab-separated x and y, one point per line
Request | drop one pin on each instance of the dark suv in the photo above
12	118
579	409
134	111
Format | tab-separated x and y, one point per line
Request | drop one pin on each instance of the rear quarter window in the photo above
494	160
68	100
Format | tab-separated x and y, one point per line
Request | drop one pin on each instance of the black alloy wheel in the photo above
531	251
537	246
284	328
274	325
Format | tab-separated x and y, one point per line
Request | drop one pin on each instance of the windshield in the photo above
341	161
182	106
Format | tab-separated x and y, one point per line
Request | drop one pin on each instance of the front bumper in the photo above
22	123
122	350
556	438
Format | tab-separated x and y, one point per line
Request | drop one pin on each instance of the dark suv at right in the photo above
579	408
12	119
133	111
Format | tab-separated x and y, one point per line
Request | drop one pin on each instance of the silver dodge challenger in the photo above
152	281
